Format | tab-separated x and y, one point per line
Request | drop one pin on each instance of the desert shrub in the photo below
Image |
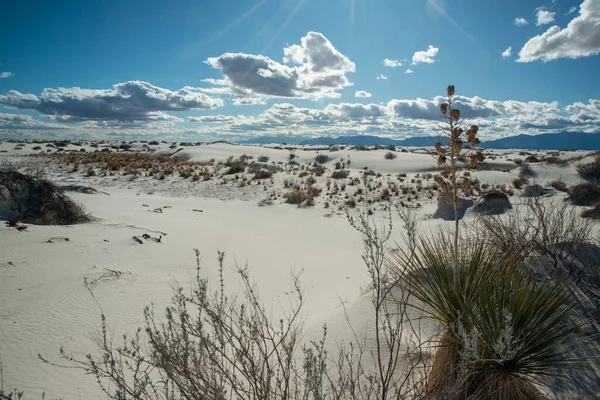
534	190
38	201
263	159
518	161
295	196
236	168
526	172
517	183
593	213
591	171
321	158
263	174
559	185
585	194
318	170
389	156
554	160
340	174
535	226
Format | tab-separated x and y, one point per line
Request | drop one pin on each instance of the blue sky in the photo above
195	70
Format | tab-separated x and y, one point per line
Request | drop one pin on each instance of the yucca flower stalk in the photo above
449	150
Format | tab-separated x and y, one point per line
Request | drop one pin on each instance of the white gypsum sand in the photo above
44	303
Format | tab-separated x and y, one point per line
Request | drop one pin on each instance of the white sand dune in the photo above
44	303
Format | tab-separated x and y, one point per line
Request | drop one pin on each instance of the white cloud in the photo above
382	77
213	118
572	10
409	71
580	38
129	101
544	17
362	93
317	71
507	53
391	63
396	118
6	74
520	21
427	56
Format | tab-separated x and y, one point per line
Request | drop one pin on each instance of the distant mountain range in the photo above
547	141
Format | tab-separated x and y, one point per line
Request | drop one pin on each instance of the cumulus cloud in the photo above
544	17
427	56
129	101
22	122
213	118
580	38
382	77
520	21
6	75
312	70
391	63
507	53
408	71
362	93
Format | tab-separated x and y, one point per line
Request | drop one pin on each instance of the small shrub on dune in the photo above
38	201
236	168
263	159
263	174
559	185
389	156
591	171
585	194
340	174
592	213
321	158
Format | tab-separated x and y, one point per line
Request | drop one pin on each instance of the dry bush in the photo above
535	226
212	346
38	201
590	171
585	194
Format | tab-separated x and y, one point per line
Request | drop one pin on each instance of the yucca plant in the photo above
450	151
503	328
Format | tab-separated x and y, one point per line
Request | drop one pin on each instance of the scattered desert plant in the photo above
340	174
593	213
389	156
526	172
263	159
37	200
559	185
590	171
517	183
321	158
585	194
